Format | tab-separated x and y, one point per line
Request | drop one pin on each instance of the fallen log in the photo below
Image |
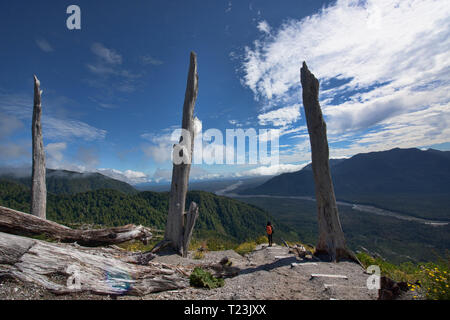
70	268
20	223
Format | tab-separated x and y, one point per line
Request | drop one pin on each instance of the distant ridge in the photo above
407	180
70	182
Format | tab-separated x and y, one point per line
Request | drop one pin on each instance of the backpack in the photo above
269	229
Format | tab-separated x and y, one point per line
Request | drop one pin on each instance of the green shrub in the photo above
198	255
245	248
434	281
138	246
261	240
203	279
426	280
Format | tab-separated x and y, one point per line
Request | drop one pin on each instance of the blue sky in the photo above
114	90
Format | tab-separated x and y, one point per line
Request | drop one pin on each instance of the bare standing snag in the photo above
331	242
38	187
180	224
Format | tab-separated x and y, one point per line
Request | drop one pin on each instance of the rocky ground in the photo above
265	273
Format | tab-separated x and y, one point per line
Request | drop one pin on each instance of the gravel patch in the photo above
266	273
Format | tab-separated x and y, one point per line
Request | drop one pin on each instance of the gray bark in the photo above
70	268
189	223
19	223
331	243
38	187
175	227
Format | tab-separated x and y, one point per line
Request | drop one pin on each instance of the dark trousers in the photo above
269	236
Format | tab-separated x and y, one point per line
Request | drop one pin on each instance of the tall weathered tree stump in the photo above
177	230
331	244
38	187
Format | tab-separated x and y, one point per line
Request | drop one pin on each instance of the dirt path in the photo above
266	273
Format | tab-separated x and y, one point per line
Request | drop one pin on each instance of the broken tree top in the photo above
308	80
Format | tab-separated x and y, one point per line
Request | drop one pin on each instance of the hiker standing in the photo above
269	230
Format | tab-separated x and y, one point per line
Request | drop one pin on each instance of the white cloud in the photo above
109	65
159	153
54	127
8	124
160	149
128	176
264	26
161	144
147	59
272	170
235	123
55	152
88	157
281	117
44	45
383	66
229	7
13	151
107	55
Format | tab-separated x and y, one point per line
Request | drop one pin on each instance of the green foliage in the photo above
435	281
42	237
198	255
394	239
15	196
402	272
245	248
138	246
224	222
261	240
426	280
203	279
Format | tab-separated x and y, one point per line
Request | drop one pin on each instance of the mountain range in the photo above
412	181
68	182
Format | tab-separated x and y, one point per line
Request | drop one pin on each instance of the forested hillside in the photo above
220	217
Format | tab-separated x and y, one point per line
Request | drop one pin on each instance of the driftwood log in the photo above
38	186
176	232
19	223
331	244
70	268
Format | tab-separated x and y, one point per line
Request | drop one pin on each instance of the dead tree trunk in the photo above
16	222
176	227
38	187
69	268
331	242
190	218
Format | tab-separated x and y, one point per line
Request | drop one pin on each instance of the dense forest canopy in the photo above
220	217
